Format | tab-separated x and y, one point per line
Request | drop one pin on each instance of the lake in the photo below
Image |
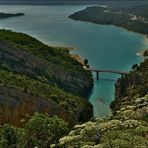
105	47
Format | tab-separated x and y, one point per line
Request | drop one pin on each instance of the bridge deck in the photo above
107	71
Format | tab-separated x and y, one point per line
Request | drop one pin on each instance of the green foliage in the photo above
65	100
36	69
108	134
81	135
39	131
123	139
44	71
43	131
33	46
12	137
132	86
52	65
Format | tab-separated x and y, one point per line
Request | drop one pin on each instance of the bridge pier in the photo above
122	75
97	74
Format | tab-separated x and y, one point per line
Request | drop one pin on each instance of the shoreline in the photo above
65	48
75	56
142	53
138	53
78	58
81	60
121	27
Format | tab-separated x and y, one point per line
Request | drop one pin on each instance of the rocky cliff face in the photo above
131	86
36	77
50	72
16	104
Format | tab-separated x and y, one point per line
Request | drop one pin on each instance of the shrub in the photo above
43	131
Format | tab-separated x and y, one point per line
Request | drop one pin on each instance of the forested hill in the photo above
8	15
131	18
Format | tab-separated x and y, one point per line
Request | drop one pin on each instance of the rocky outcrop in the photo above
15	104
122	88
131	86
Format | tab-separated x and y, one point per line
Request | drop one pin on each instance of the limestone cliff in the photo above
36	77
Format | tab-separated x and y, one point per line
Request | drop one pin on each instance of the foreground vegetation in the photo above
44	63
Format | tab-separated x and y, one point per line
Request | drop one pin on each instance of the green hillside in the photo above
131	18
46	77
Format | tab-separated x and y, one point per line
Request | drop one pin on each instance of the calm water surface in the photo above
105	47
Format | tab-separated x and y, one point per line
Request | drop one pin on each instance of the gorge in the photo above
108	44
39	81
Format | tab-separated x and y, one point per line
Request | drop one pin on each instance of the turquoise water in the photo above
105	47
